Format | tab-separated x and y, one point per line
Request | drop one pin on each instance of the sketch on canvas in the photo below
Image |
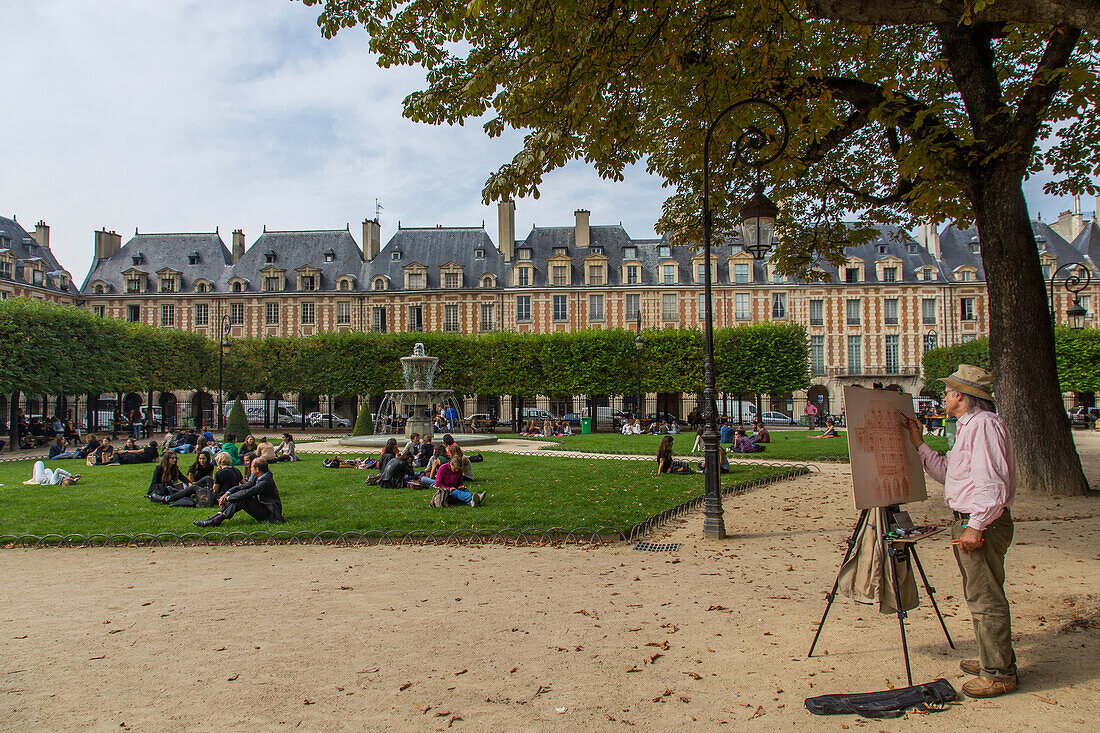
886	468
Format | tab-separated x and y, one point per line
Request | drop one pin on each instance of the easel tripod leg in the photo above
836	583
892	569
931	594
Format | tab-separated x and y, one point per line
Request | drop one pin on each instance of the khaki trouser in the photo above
983	575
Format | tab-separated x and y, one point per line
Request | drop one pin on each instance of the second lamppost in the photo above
639	344
751	147
223	344
1074	283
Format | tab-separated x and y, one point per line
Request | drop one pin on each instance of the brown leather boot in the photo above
984	687
971	666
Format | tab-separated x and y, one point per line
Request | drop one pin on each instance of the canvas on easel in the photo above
886	468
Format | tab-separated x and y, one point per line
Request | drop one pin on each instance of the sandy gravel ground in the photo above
536	639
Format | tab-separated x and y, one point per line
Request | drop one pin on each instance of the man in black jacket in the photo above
258	496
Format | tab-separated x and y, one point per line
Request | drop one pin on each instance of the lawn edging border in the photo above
355	538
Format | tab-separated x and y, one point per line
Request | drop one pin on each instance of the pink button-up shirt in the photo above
979	473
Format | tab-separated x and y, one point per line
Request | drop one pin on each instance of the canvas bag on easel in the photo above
863	577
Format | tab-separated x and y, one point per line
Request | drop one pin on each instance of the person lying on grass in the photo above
450	488
665	462
129	456
258	496
40	475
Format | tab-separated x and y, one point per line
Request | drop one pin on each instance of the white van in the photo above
287	412
733	410
605	415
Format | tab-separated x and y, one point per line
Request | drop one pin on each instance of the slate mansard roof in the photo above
152	253
335	254
23	247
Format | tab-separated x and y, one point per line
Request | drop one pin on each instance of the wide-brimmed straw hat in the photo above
972	380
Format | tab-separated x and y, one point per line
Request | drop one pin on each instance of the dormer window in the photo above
345	284
479	254
889	274
451	279
561	252
133	284
597	249
396	255
272	284
269	257
36	277
974	245
202	287
882	249
309	282
487	281
664	251
379	283
523	253
912	249
330	256
630	253
194	258
851	274
1041	243
98	290
416	281
238	287
138	259
168	284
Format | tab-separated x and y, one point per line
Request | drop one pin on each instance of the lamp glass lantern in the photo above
758	223
1076	314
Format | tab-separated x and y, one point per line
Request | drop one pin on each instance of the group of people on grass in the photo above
424	464
633	426
548	429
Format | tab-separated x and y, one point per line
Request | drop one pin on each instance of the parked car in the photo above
320	420
777	418
1084	416
664	417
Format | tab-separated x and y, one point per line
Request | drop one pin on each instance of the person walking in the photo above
979	484
811	414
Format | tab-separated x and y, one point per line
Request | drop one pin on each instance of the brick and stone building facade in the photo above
28	267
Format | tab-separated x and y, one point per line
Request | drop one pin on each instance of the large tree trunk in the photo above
1021	342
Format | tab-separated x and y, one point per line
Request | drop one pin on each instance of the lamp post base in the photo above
714	528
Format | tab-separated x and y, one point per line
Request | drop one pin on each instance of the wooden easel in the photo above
898	548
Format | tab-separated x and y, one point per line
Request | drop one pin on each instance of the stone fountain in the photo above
420	393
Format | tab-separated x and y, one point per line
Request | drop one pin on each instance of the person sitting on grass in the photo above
167	477
285	451
760	434
830	430
439	457
248	449
42	476
450	488
200	474
697	446
258	496
413	445
427	451
454	450
230	446
726	434
723	461
673	427
396	473
59	449
148	454
103	454
743	443
665	462
89	447
266	450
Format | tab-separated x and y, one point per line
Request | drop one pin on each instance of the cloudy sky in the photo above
186	115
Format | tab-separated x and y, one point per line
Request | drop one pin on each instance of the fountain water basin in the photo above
416	400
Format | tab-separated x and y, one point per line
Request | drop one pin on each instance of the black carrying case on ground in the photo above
928	697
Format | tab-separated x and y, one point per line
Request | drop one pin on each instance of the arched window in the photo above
379	283
237	287
99	290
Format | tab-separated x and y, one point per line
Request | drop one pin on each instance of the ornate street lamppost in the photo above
757	226
222	346
639	344
1075	283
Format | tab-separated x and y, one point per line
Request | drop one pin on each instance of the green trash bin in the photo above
586	426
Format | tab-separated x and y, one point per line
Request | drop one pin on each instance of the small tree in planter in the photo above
363	424
237	423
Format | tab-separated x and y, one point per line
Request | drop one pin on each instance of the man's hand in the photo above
970	540
914	429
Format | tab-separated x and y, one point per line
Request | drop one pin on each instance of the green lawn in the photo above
523	492
786	445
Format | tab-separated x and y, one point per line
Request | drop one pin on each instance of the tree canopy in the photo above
908	111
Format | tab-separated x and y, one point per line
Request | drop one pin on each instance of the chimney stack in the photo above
238	245
929	238
582	235
506	229
372	238
1069	223
106	244
42	234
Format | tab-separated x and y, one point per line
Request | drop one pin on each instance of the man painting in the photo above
979	484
